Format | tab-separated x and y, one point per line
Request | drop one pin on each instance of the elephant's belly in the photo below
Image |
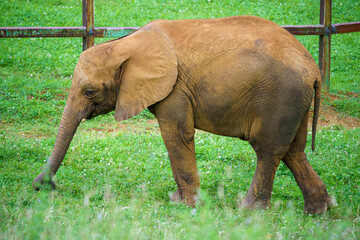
224	112
225	124
226	131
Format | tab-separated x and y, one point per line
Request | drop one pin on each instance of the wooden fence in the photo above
88	32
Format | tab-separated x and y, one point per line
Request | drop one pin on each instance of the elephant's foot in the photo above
317	199
176	197
318	204
255	202
42	182
188	199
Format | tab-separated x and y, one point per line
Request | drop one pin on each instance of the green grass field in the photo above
116	178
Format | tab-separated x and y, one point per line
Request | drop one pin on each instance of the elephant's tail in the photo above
317	88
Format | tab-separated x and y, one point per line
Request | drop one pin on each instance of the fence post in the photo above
325	43
88	23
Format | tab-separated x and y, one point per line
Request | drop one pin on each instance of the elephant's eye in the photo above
90	93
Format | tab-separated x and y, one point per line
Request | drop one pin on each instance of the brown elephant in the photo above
243	77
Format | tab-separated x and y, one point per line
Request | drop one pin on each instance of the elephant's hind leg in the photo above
259	193
314	191
270	138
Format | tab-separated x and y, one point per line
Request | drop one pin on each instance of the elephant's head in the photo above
126	75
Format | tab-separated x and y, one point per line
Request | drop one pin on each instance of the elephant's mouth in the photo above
91	116
99	111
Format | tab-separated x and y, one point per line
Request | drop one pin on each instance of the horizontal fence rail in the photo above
34	32
345	27
114	32
88	32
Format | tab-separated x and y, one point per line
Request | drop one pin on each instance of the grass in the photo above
116	178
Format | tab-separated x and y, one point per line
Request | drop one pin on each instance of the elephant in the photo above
243	76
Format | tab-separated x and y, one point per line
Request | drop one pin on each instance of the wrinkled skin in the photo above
243	77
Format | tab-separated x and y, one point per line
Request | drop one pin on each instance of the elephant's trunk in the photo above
69	122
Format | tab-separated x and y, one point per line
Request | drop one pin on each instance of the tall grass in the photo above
116	178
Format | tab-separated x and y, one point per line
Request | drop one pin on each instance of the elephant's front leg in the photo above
180	145
177	129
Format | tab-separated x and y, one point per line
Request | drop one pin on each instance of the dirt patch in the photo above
328	116
349	94
140	126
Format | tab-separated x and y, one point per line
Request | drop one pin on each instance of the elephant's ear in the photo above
148	75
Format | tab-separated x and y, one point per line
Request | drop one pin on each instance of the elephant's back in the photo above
198	42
